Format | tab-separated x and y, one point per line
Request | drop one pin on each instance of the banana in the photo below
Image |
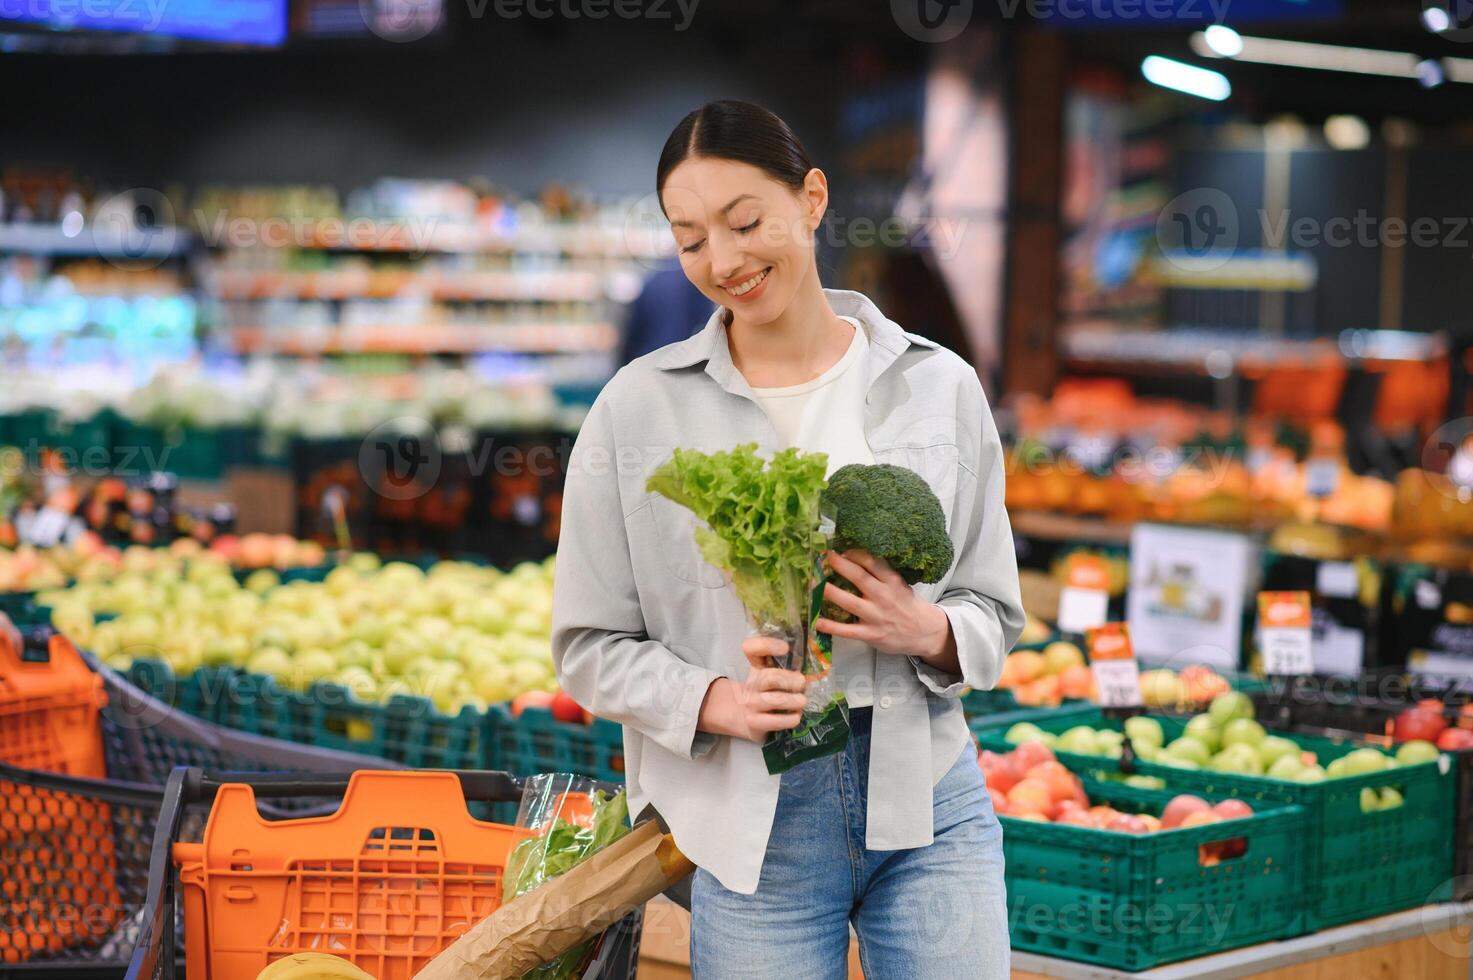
312	966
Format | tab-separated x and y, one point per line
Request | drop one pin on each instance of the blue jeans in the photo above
928	913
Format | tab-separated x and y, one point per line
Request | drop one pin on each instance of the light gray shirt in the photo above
641	625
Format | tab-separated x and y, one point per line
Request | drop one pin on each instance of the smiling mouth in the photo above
748	285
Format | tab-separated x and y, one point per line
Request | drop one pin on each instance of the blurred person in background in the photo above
667	309
896	834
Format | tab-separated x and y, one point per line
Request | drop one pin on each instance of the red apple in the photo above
564	708
1000	771
1421	722
1198	818
1232	809
1075	817
1127	823
999	801
1030	754
530	699
1454	739
1180	808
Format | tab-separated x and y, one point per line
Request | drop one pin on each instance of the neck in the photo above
805	340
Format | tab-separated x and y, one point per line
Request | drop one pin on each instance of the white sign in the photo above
1286	650
1082	609
1119	683
1187	589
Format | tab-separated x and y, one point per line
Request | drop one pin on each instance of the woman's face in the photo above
744	239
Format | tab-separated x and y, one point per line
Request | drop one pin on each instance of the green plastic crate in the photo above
1360	865
22	609
1135	901
204	693
535	742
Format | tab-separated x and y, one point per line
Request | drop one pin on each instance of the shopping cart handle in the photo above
484	785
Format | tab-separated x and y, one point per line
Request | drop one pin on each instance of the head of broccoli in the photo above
892	513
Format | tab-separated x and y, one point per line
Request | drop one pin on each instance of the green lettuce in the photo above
762	517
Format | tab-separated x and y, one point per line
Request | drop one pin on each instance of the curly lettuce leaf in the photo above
762	520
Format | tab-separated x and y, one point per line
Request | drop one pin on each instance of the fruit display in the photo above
1227	739
87	559
458	634
1047	677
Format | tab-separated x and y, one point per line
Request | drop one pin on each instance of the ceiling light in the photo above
1182	77
1224	41
1305	54
1436	20
1430	73
1347	132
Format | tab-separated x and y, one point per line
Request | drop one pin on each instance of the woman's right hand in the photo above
769	700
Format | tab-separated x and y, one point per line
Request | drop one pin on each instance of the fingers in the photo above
848	601
853	631
777	679
779	702
879	568
759	648
775	722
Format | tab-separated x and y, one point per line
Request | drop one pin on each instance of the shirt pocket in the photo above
938	463
675	539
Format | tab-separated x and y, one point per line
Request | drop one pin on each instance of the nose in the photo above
726	256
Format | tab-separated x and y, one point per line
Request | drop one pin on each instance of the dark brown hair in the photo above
740	131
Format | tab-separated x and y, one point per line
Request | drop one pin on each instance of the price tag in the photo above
1085	598
1336	580
45	528
1117	676
1284	620
1321	477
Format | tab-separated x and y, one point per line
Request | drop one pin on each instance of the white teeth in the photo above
749	285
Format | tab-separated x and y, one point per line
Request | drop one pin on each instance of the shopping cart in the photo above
387	881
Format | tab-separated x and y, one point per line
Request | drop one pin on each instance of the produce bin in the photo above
1135	901
1316	712
535	741
75	859
1359	864
49	707
188	452
398	841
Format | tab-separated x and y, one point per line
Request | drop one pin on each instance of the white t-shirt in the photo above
827	415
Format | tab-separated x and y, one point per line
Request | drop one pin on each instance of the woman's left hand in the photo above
891	617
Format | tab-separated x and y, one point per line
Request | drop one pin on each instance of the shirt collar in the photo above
887	342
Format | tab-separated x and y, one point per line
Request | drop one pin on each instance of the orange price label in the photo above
1283	610
1110	642
1117	676
1087	572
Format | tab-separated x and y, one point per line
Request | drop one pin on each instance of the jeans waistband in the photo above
860	719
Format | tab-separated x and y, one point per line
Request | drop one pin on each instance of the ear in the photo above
815	196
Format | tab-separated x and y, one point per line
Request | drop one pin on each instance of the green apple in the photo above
1230	706
1144	731
1145	782
1080	740
1369	800
1239	758
1276	747
1391	798
1242	731
1285	767
1190	748
1024	731
270	660
1177	762
1310	774
1416	752
1362	761
1205	730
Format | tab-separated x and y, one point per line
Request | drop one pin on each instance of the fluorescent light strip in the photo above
1325	57
1458	69
1182	77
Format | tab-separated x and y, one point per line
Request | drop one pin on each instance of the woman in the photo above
896	834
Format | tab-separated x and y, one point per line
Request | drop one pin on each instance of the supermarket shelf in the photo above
1219	352
46	239
365	284
1277	956
1039	524
424	235
427	339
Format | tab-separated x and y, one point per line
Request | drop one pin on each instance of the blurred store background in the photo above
304	269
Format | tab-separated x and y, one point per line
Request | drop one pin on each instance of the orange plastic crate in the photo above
389	880
49	711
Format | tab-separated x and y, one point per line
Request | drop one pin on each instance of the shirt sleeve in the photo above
601	651
982	598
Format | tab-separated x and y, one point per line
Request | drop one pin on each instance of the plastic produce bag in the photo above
574	821
824	729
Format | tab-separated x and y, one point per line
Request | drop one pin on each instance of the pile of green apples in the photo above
1226	738
459	634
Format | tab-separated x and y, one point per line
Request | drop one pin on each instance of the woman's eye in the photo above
749	227
691	248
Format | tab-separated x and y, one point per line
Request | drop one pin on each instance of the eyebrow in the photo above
734	202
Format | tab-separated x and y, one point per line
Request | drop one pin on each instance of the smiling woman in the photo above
895	834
